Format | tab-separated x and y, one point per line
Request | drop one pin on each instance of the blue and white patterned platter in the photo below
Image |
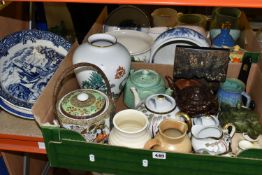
15	112
28	60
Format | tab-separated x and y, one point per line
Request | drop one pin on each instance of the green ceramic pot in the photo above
146	82
221	15
231	92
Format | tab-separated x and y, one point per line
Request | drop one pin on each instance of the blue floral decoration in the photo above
23	77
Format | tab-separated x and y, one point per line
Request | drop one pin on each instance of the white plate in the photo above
163	49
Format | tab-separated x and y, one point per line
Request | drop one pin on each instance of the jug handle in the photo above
233	129
170	82
180	14
151	143
187	119
248	99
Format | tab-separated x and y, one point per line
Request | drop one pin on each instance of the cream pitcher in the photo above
172	136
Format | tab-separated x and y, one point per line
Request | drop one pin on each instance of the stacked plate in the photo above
127	17
28	60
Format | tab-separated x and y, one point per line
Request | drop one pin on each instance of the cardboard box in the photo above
68	149
11	25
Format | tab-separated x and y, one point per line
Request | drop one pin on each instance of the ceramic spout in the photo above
131	71
169	91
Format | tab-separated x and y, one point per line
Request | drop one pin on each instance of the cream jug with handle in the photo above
212	139
172	137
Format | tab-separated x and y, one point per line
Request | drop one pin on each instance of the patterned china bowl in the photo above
163	49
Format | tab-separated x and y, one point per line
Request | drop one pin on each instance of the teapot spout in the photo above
169	91
137	99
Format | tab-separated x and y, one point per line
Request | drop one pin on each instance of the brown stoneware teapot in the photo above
197	100
194	97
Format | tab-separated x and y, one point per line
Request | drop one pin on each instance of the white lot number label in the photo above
41	145
159	155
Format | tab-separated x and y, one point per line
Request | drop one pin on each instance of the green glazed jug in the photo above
146	82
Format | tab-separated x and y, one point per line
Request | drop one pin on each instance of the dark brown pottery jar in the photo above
196	100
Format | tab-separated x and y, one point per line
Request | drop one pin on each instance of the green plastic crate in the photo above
67	149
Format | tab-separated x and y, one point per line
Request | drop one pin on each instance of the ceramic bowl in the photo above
137	43
198	29
154	32
127	17
225	14
163	49
192	19
165	17
235	33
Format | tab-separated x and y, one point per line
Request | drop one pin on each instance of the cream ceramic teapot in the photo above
158	107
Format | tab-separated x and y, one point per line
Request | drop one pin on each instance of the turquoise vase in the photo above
223	39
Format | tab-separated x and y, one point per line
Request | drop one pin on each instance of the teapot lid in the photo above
83	103
233	85
160	103
145	78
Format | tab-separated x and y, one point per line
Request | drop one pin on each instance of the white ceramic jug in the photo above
212	139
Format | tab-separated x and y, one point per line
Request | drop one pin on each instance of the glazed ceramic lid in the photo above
145	78
233	85
83	104
160	103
